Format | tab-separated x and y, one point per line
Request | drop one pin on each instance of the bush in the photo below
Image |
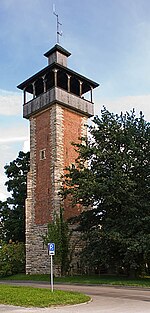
12	258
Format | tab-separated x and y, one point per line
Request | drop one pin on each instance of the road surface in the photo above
105	299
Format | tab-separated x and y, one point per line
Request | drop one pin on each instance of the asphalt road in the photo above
104	300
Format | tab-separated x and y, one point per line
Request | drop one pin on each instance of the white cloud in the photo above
3	196
3	191
10	103
13	139
13	130
26	146
127	103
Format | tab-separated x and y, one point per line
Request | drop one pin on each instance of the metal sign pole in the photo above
51	252
52	285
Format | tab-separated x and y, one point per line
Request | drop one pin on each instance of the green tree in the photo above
12	258
12	211
112	175
59	233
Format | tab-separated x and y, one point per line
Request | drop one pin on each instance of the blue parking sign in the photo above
51	248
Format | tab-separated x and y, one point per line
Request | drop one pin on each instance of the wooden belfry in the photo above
58	113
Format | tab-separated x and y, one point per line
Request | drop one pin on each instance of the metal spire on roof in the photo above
58	32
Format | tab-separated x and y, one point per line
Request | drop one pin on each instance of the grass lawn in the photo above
38	297
103	279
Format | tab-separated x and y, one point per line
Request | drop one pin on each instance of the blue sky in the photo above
109	41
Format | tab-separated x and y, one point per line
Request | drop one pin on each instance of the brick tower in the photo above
58	114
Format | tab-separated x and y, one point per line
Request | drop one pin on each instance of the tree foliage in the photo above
59	233
12	211
12	258
112	175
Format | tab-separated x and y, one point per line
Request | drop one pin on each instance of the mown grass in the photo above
38	297
98	280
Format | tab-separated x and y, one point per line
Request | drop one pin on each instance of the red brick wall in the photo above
72	133
43	184
72	123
